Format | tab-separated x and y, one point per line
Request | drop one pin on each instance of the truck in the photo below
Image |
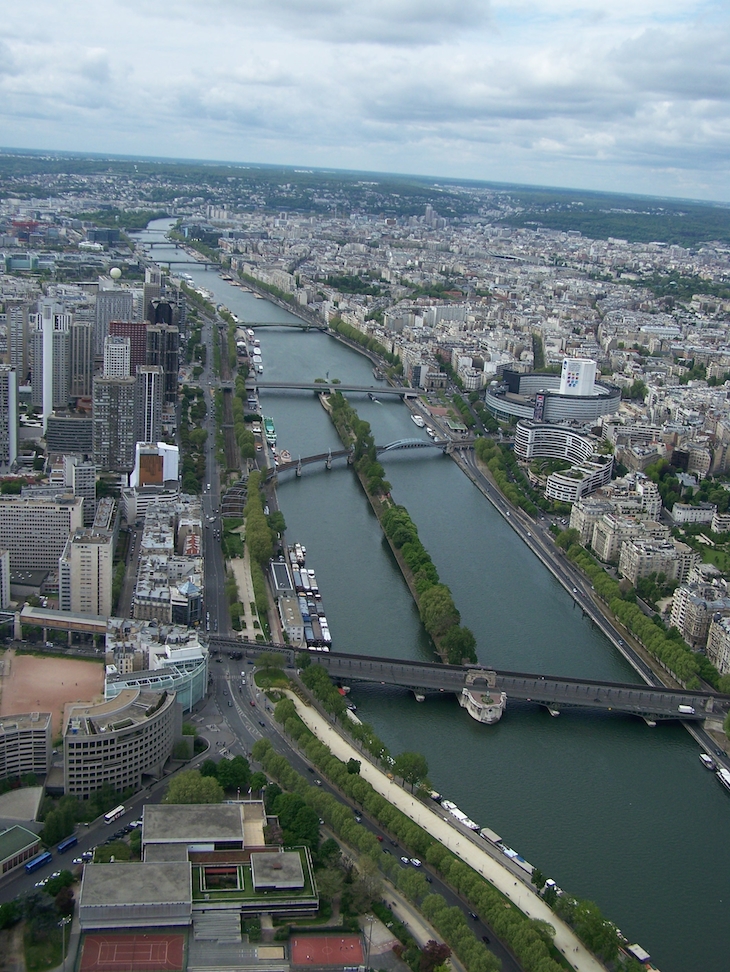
686	709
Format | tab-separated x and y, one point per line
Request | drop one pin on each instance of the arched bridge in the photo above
445	445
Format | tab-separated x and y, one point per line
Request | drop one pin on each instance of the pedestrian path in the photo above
523	897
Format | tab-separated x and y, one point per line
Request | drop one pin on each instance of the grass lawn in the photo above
720	558
43	953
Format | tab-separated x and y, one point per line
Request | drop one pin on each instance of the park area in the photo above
40	683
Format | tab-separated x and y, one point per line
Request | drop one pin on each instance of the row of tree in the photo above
509	923
436	606
60	818
529	939
365	341
354	431
668	647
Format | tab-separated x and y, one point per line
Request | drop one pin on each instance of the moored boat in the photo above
707	761
723	776
418	420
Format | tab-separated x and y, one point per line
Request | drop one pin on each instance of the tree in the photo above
538	878
258	780
411	767
65	902
330	881
233	773
353	766
433	954
191	787
268	660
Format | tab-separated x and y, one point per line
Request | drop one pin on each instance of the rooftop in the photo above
125	883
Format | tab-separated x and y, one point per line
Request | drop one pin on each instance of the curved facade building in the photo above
572	396
590	469
119	741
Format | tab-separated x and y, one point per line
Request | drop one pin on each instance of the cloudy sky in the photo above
631	95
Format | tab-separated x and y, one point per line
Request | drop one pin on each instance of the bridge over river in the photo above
424	678
323	387
445	445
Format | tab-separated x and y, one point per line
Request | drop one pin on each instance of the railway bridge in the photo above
555	693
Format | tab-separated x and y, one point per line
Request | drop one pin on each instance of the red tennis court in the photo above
342	950
133	953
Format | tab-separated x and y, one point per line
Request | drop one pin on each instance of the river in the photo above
614	811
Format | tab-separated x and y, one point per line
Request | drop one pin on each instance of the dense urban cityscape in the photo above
567	352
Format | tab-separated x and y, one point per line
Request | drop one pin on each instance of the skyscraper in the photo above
136	331
8	416
113	416
51	352
18	336
152	292
148	420
163	344
82	359
111	305
116	357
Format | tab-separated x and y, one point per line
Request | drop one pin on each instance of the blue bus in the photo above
39	861
67	844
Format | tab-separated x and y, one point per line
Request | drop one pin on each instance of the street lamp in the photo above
63	922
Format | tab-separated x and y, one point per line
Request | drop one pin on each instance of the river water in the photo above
614	811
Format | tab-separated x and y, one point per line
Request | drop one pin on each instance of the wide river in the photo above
614	811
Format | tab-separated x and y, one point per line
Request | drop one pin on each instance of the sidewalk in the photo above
519	894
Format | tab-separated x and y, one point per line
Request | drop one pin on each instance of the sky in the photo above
627	96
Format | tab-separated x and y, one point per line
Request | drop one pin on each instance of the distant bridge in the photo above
445	445
423	678
323	387
297	325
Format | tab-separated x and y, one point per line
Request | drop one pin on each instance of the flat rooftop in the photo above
192	823
125	883
15	839
280	870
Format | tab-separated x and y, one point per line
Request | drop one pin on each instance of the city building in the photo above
136	332
8	416
113	417
85	571
25	744
119	742
81	359
149	395
718	644
34	530
693	608
155	464
112	304
17	846
117	357
642	557
163	349
69	433
79	475
51	366
18	325
590	469
571	396
4	580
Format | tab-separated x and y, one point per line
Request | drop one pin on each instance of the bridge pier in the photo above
299	468
419	694
328	463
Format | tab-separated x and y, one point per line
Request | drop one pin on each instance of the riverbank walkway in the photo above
530	903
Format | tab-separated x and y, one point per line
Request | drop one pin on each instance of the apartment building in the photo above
119	741
34	530
25	744
641	557
718	644
85	570
693	608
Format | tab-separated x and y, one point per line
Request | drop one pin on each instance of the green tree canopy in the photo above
190	787
411	767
